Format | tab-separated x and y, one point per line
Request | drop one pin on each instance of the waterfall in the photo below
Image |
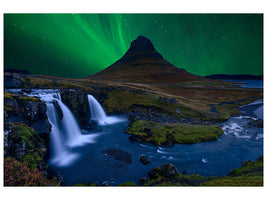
98	114
59	153
71	128
96	110
65	133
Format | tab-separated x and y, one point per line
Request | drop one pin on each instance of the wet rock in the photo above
145	160
136	138
154	173
77	102
58	109
169	171
256	123
119	154
93	121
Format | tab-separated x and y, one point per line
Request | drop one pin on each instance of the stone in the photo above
169	171
145	160
154	173
93	121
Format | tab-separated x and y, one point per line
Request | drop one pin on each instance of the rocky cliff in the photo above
26	140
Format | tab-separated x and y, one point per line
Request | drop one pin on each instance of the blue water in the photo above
247	83
240	142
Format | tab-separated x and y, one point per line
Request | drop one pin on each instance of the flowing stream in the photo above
105	155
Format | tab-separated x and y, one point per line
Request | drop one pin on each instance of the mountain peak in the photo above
141	43
143	63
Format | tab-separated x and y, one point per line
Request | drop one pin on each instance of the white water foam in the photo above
204	160
98	113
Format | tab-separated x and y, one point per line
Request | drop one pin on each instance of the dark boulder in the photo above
154	173
145	160
119	154
93	121
169	171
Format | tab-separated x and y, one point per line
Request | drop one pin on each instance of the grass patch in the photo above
169	133
128	184
250	174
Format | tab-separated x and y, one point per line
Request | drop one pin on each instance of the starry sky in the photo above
78	45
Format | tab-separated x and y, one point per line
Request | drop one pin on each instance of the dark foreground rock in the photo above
26	141
145	160
249	174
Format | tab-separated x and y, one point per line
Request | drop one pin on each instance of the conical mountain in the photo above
142	63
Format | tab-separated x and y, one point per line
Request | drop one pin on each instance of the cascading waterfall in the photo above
59	153
98	114
65	133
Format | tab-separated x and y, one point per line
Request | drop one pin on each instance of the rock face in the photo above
26	126
142	63
77	102
27	110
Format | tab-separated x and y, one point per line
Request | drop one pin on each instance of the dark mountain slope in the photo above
142	63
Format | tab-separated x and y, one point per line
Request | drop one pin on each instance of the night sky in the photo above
78	45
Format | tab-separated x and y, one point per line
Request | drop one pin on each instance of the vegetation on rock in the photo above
169	133
19	174
249	174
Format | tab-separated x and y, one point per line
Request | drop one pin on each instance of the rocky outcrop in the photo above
77	102
26	131
27	110
25	144
168	175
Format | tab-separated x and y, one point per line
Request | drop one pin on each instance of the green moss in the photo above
128	184
32	159
168	133
29	136
26	98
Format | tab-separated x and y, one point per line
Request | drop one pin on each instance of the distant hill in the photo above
142	63
237	77
17	71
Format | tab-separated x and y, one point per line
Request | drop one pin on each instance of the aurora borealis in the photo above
78	45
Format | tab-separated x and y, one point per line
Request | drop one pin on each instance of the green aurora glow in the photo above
78	45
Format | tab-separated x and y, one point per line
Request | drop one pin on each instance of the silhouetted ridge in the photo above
141	43
143	63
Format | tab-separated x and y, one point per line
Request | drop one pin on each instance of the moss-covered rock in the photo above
168	175
169	133
24	144
249	174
